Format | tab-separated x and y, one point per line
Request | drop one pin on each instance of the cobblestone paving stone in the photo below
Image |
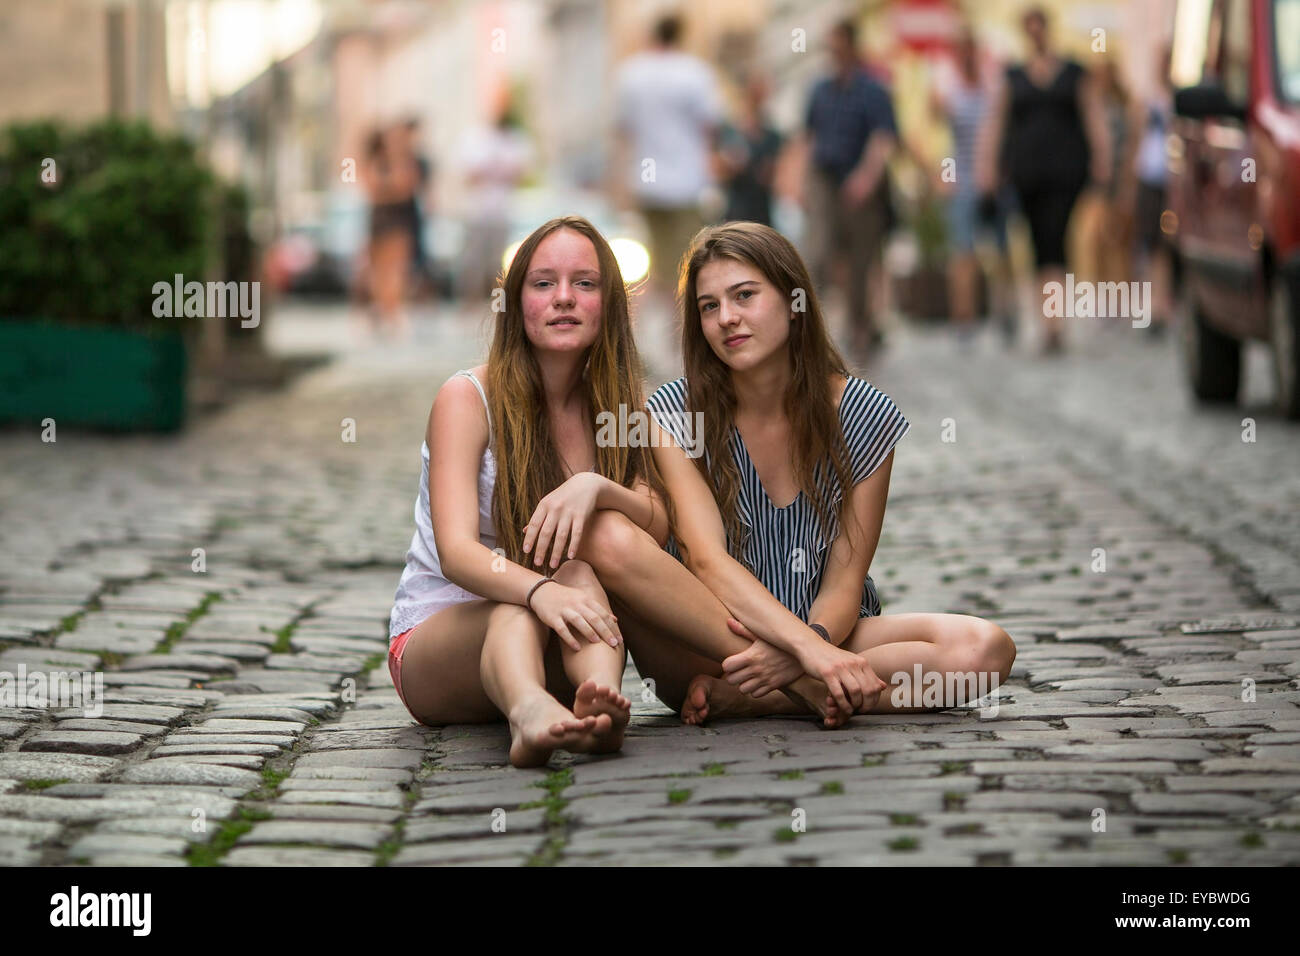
248	717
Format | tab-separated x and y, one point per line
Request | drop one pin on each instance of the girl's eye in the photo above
744	293
707	306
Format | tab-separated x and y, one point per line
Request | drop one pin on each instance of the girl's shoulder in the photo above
863	398
463	399
873	424
670	396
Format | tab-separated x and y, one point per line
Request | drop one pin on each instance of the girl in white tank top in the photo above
423	590
479	614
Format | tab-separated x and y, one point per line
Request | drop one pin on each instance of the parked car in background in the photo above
1233	215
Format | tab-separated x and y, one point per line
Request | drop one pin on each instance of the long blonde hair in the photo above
817	440
528	462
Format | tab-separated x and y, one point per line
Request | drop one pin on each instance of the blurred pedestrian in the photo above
1047	127
1150	172
494	160
963	96
747	156
668	112
389	178
851	133
1108	233
423	182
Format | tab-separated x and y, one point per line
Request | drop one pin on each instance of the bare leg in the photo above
683	632
692	684
940	644
1053	325
514	678
963	271
596	670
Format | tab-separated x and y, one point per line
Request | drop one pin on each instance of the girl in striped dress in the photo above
776	463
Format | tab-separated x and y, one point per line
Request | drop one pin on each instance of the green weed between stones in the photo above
210	853
904	843
385	852
70	622
177	630
832	788
552	848
679	796
790	775
271	780
44	784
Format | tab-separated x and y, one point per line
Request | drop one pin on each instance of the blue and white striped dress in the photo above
784	548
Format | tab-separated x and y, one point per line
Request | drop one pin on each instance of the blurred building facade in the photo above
321	74
79	60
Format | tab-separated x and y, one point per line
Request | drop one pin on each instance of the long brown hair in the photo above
528	463
817	440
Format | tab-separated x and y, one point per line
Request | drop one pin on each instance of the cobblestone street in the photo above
249	718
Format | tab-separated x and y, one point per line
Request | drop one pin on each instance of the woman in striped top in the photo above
767	428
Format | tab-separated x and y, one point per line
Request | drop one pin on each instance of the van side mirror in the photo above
1206	101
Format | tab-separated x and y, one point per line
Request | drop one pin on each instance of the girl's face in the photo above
745	318
561	293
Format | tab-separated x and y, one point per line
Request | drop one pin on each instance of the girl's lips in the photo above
735	340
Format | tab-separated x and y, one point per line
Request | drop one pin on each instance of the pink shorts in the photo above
395	665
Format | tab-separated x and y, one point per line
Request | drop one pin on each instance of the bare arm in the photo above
989	139
876	154
1094	124
839	599
703	541
457	437
640	504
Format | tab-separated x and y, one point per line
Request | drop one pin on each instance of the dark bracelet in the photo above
824	634
528	599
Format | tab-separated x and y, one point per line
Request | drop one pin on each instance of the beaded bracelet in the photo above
528	599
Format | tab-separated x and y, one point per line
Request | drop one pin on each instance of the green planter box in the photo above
92	376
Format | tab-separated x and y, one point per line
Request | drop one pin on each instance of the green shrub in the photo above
130	207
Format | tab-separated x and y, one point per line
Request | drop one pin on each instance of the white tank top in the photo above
423	590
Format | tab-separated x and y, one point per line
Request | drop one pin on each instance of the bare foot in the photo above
610	708
542	724
812	696
708	697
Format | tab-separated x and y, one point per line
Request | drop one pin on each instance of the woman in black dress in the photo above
1048	131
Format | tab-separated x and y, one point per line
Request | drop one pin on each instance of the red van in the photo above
1233	215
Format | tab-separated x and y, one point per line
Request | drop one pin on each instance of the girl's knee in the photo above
610	539
575	573
991	649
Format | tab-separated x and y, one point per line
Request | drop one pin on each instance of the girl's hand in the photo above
762	668
560	516
849	679
571	612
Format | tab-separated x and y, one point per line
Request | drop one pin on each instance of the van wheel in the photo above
1213	359
1284	333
